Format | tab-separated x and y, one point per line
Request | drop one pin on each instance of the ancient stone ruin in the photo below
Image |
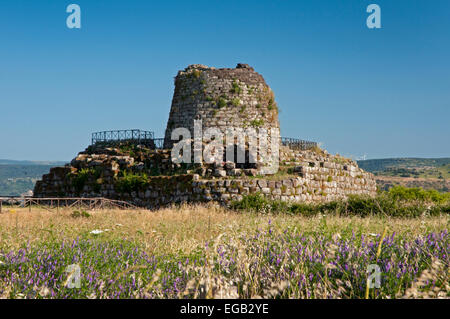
221	98
136	167
224	99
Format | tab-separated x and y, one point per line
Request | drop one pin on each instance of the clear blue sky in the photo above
384	93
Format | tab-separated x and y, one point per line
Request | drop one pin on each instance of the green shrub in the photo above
236	89
196	73
130	182
436	210
279	207
418	194
257	123
255	203
355	205
76	214
362	206
304	209
129	148
80	178
271	104
222	102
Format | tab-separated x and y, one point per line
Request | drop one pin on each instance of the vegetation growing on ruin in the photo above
129	148
129	182
267	97
318	150
271	106
222	102
79	179
235	88
257	123
236	102
196	73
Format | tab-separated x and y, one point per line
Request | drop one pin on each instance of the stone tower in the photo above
222	98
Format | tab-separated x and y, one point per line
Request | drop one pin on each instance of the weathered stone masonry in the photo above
315	178
221	98
224	98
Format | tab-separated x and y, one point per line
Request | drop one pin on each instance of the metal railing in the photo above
297	144
159	143
147	138
134	136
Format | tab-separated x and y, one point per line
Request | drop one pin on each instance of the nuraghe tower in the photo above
221	98
226	98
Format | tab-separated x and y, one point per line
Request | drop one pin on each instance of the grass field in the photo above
212	252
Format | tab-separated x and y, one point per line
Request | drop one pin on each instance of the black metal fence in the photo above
297	144
147	138
159	143
134	136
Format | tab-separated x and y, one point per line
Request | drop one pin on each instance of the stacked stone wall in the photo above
221	98
313	178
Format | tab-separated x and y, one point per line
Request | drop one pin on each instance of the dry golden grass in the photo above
184	228
181	231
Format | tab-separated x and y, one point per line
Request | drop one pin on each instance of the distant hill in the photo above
18	177
408	167
411	172
14	162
